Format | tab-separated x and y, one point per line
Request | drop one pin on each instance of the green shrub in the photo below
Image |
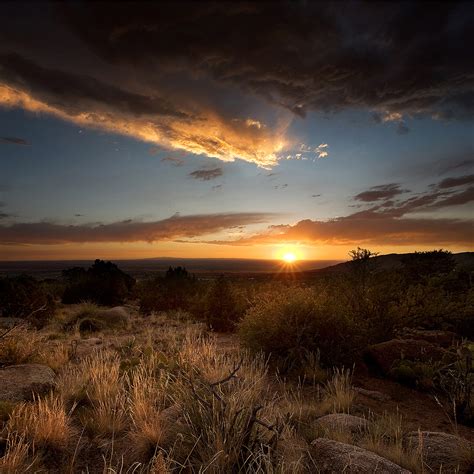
413	373
292	322
223	306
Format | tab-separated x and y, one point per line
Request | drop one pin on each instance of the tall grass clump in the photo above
153	422
225	407
296	320
385	437
44	423
16	458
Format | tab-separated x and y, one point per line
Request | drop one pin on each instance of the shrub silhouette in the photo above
25	297
223	306
175	291
103	283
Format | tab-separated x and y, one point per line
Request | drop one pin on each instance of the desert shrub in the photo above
174	291
291	322
223	306
413	373
103	283
26	297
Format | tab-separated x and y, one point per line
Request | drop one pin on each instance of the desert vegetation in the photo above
364	370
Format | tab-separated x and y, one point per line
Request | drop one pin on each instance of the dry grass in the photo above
20	346
56	357
16	458
148	397
44	423
339	394
170	399
385	437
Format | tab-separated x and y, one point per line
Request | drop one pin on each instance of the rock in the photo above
442	452
112	318
440	338
171	414
84	347
20	382
343	422
172	426
335	457
381	357
374	394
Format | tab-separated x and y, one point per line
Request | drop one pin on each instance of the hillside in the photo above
394	260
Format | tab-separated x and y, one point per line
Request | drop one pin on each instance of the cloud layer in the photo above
387	221
184	76
175	227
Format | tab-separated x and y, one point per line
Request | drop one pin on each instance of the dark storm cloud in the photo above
206	174
14	141
73	91
457	181
377	193
391	57
172	73
172	228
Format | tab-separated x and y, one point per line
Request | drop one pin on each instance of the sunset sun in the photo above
289	257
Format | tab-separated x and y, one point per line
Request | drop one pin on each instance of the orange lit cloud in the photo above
172	228
386	223
177	123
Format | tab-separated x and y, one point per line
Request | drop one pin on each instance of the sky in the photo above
244	130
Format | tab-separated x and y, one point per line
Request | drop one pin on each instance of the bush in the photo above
103	283
25	297
176	291
289	323
223	306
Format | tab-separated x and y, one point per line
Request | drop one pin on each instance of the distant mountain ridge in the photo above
394	260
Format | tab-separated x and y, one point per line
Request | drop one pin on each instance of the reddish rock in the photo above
381	357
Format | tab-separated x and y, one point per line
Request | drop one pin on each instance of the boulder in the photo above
442	452
21	382
343	422
374	394
440	338
381	357
335	457
114	317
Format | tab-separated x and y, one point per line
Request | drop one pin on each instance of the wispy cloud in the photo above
322	150
377	193
174	160
14	141
206	174
456	181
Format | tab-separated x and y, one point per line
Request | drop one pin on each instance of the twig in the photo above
229	377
